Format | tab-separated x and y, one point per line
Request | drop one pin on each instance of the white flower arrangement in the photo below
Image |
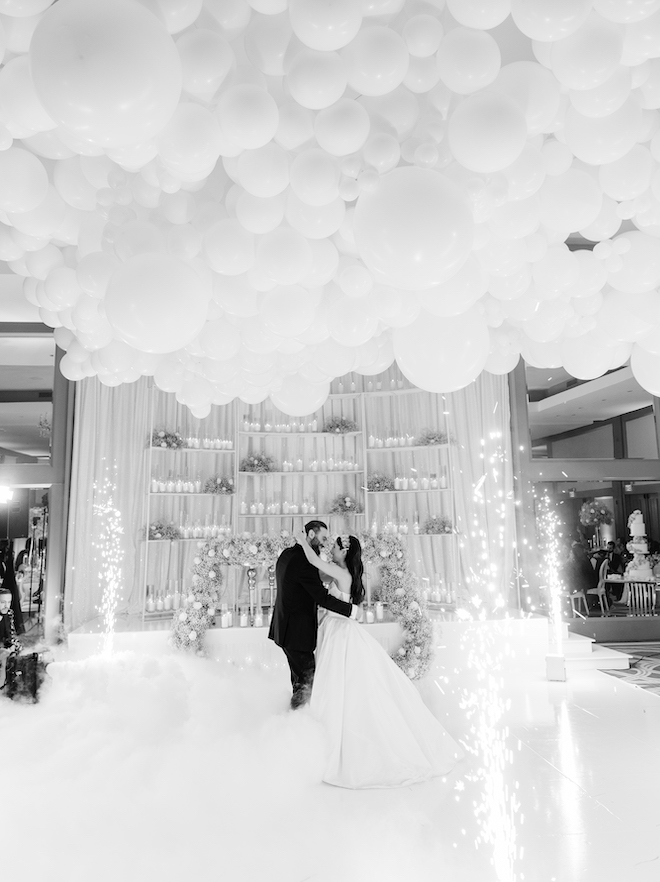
345	505
431	437
190	625
339	425
169	440
220	484
160	531
437	524
592	515
257	462
379	483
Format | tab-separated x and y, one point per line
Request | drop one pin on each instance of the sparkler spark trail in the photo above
109	554
486	646
549	529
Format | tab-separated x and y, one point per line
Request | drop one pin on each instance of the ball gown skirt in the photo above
379	731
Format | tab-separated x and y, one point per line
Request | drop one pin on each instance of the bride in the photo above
380	732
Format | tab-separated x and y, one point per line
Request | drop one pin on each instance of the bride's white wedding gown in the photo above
380	733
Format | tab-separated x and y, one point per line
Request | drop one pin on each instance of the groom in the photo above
299	594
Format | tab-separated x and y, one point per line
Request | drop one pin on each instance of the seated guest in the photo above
614	559
9	642
578	572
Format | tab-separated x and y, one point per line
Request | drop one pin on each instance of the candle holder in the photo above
252	587
271	589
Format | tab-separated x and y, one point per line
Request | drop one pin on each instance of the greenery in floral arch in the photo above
399	588
592	514
189	625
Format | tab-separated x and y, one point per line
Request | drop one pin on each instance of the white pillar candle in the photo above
380	612
370	616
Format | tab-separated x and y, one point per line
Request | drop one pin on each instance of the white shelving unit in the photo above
165	560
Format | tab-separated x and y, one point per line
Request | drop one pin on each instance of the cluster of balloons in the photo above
248	198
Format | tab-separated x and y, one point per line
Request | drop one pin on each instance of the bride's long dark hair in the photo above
355	568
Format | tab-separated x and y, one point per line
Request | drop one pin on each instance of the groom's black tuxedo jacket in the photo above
299	593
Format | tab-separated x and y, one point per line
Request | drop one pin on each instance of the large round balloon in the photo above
415	229
299	397
442	354
640	270
645	366
156	303
487	132
23	181
109	72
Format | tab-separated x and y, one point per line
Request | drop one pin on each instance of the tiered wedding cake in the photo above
640	566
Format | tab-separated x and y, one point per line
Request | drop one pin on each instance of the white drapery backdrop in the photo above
108	484
109	459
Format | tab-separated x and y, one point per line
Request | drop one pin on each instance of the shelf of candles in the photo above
306	472
418	490
297	433
307	514
188	493
195	449
392	448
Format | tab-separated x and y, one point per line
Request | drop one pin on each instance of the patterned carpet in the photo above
644	670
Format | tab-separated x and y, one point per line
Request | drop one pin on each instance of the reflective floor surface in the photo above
166	768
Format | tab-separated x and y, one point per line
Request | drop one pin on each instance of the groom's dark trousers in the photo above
295	617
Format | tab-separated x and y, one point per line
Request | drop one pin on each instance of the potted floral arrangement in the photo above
220	484
339	425
437	524
378	483
345	505
593	514
168	440
257	462
159	531
431	437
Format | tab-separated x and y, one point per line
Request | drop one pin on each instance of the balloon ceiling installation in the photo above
248	198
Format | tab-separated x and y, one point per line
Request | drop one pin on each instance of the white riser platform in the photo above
583	654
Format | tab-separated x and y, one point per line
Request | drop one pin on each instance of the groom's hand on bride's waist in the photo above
356	613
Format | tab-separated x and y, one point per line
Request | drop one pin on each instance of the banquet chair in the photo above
577	599
601	589
641	599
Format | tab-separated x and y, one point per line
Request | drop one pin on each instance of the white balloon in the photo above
468	60
415	229
487	132
445	368
342	128
299	397
248	115
316	79
376	60
107	72
325	24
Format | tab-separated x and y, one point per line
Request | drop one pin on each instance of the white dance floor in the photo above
158	767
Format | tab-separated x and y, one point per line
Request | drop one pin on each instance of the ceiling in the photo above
581	405
26	371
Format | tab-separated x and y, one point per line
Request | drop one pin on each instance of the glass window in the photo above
610	417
